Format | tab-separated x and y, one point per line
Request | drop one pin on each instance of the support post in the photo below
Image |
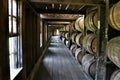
102	42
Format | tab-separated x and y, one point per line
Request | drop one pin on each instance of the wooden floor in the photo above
59	64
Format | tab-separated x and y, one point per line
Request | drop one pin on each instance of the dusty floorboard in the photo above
59	64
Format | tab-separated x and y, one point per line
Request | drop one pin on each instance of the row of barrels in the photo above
113	46
88	62
89	42
112	51
77	25
91	20
65	28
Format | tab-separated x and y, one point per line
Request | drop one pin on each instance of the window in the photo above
15	53
41	33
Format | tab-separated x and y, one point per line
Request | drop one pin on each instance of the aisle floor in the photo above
59	64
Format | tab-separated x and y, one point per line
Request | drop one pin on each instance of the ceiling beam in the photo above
58	22
76	2
59	11
60	16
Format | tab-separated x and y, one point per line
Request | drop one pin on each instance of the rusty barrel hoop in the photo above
79	24
114	14
79	39
115	75
113	50
89	64
91	21
78	54
90	43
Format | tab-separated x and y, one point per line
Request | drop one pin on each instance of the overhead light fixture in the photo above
60	6
53	5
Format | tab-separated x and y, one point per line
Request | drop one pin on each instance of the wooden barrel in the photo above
66	35
91	21
90	43
63	39
79	24
113	50
63	28
89	65
67	43
115	75
79	39
114	15
73	37
78	54
73	49
73	26
67	27
63	34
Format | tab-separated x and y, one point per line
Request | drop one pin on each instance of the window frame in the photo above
12	34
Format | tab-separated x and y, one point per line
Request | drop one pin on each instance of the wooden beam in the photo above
59	11
75	2
60	16
58	22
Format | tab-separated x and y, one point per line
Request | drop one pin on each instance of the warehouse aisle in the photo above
59	64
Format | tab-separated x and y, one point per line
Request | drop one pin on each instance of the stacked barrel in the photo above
84	47
84	40
113	46
77	38
90	43
65	31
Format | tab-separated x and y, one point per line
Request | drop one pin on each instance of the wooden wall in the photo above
31	39
45	37
4	51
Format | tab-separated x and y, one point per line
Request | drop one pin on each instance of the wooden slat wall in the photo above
23	28
31	39
38	38
4	51
44	34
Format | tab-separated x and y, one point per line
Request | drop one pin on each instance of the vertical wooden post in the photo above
4	36
38	36
100	63
23	36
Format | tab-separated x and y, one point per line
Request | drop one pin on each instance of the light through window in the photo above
15	53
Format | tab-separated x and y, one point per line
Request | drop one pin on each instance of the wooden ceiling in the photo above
63	6
62	10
